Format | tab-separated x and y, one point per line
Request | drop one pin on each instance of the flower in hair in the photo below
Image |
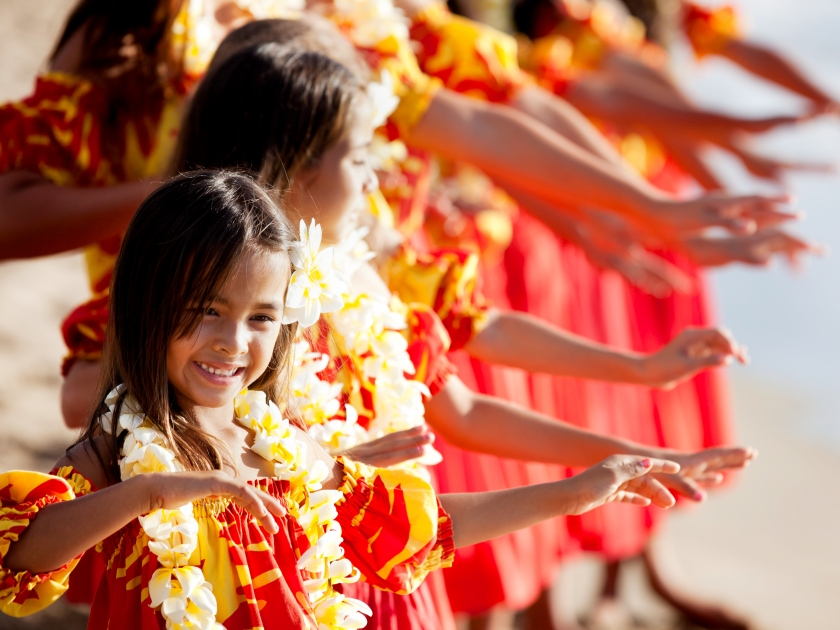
316	285
382	97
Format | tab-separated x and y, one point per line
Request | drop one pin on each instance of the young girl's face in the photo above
233	344
334	192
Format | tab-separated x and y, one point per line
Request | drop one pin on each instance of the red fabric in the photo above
84	331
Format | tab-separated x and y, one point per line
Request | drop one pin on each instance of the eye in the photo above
211	311
263	318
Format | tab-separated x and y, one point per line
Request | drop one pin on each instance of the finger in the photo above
625	496
392	458
724	458
634	466
685	486
709	480
248	499
651	488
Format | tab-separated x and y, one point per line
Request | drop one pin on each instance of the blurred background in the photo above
768	548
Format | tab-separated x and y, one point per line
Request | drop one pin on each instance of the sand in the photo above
767	548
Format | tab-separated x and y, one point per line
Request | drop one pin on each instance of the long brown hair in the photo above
127	50
180	247
267	110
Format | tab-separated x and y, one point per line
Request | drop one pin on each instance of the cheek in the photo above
261	349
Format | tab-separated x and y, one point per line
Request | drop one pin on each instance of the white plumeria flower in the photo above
339	611
272	9
373	21
353	251
316	285
382	98
364	319
337	436
385	154
390	357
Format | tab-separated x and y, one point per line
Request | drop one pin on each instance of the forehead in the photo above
257	276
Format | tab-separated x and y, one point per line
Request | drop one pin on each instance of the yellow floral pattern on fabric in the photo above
22	495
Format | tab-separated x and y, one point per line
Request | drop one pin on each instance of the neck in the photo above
212	419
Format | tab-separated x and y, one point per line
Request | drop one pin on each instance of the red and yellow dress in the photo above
394	530
427	607
59	132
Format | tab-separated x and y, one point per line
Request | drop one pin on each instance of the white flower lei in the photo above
370	329
178	587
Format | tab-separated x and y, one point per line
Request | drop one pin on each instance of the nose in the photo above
231	339
371	182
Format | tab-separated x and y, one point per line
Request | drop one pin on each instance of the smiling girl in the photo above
208	505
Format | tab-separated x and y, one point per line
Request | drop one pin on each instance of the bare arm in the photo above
770	65
567	121
477	517
63	531
38	218
650	105
486	424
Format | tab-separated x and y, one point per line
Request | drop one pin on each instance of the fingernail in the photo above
698	496
645	463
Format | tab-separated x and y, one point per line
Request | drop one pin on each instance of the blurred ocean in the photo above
789	319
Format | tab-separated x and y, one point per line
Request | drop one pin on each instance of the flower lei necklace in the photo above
369	329
178	586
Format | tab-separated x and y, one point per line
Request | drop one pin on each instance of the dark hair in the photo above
128	50
180	247
311	32
269	111
660	18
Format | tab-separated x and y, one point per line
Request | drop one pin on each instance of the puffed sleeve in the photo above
710	30
412	86
84	331
470	58
56	132
394	528
22	495
446	281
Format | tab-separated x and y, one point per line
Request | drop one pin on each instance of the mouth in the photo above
219	374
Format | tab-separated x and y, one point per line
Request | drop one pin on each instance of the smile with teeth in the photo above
217	371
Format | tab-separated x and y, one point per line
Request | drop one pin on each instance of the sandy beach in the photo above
768	547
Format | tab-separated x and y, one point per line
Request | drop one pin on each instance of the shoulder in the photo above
68	58
83	457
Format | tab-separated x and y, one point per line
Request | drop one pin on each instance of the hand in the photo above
740	215
703	469
392	449
610	243
771	169
172	490
690	352
622	479
757	249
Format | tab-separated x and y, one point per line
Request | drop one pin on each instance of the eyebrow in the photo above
268	306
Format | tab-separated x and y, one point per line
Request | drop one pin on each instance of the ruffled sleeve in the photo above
22	495
57	132
447	282
394	527
710	30
470	58
412	86
428	343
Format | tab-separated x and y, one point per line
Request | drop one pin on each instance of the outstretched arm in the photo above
63	531
522	341
770	65
480	516
38	218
